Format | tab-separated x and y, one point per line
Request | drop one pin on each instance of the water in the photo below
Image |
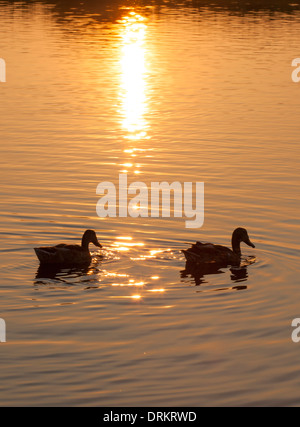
159	92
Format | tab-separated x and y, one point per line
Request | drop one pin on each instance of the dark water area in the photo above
158	91
112	9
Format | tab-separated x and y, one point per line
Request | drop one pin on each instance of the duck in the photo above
64	254
204	253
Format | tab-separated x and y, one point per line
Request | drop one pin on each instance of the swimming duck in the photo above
202	253
69	254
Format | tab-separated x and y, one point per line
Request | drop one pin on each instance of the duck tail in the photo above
43	256
191	256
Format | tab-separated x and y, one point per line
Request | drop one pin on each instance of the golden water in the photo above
160	93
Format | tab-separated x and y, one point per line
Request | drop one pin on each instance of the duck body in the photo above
64	254
205	253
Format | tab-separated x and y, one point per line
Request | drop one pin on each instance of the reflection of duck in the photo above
58	272
205	253
69	254
198	271
58	275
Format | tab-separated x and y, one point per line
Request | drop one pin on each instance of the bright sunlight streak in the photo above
133	66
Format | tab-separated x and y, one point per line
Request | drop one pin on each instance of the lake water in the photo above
160	93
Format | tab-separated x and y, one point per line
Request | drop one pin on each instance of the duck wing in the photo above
62	254
205	253
68	247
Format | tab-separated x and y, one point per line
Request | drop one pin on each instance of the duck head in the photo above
240	235
89	236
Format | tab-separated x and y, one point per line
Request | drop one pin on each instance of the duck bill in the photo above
96	243
249	243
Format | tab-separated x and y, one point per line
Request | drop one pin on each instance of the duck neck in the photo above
85	243
236	245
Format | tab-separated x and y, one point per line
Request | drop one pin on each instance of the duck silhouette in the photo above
64	254
208	253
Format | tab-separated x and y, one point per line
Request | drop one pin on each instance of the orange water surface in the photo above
161	93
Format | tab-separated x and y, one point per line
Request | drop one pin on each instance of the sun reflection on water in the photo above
133	76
